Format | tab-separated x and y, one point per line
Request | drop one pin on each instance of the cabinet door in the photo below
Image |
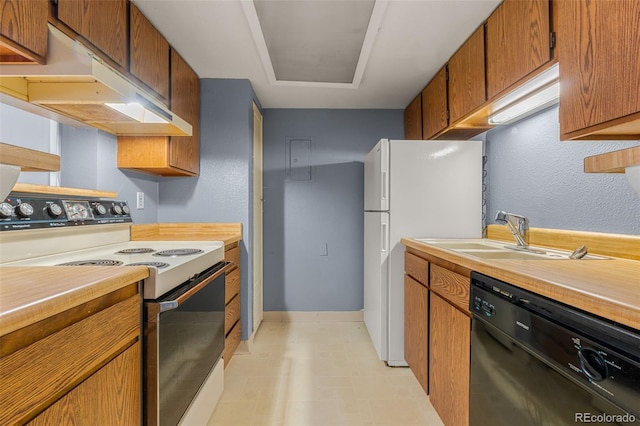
517	42
598	46
149	54
110	396
23	30
434	105
467	89
185	101
102	22
449	358
413	119
416	329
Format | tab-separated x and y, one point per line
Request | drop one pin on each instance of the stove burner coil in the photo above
97	262
178	252
158	265
136	251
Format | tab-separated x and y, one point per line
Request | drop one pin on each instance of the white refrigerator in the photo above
415	189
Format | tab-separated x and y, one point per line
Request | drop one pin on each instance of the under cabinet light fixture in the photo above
137	112
535	95
531	104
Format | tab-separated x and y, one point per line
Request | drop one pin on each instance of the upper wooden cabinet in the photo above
413	119
185	101
23	31
517	42
148	54
102	22
598	48
434	105
467	89
175	155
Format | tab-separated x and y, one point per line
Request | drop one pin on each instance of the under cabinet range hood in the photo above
76	84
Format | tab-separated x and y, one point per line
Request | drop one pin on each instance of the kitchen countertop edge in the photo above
29	295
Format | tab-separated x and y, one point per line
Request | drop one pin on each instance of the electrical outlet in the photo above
140	200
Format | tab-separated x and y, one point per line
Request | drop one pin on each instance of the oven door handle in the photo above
168	305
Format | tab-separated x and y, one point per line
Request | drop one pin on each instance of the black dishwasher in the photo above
535	361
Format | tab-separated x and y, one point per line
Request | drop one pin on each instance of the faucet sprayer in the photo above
518	225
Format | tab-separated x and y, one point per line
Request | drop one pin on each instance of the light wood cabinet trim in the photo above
417	268
517	42
102	22
416	330
451	286
413	119
467	90
23	31
39	374
613	162
231	313
434	105
598	74
615	245
29	160
143	152
233	255
28	188
84	404
449	360
232	285
231	343
148	54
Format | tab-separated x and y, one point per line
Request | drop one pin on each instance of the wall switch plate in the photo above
140	200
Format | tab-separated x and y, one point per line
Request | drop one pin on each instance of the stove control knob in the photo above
126	209
116	209
6	210
99	209
54	210
24	209
593	364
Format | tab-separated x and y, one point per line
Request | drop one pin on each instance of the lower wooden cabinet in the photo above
87	403
82	366
449	358
232	320
416	329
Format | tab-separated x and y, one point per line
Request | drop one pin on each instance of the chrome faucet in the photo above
518	225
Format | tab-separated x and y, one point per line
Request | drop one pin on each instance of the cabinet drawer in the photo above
417	268
451	286
232	285
231	343
233	255
231	314
37	375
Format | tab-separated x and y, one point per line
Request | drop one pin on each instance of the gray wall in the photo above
531	172
223	190
313	229
27	130
88	160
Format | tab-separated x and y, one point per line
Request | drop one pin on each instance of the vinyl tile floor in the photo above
318	373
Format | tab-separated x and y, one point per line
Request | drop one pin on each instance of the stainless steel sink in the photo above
492	249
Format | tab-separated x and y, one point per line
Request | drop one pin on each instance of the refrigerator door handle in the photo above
385	242
384	185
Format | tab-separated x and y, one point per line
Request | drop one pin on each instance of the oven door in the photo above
184	339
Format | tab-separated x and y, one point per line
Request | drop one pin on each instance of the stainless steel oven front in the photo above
184	339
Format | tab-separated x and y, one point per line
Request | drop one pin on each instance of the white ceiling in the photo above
415	38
